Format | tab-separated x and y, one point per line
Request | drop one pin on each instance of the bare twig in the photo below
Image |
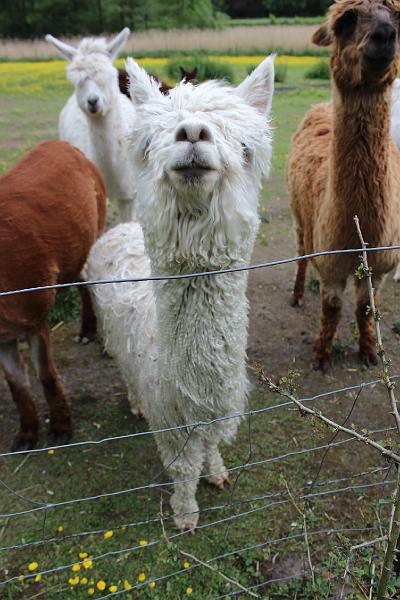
215	570
304	517
389	454
352	550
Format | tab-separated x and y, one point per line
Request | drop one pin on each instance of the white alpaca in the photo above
199	156
395	131
97	117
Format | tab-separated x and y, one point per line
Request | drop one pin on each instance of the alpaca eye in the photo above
146	146
345	26
246	152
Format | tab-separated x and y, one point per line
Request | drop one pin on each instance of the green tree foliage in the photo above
33	18
281	8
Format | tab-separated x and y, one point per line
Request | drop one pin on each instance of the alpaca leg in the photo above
301	271
60	419
18	382
365	320
134	403
88	318
397	274
331	307
183	460
214	465
125	210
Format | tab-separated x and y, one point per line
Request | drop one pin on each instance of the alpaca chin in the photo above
194	181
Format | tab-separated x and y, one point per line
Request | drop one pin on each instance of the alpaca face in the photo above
91	71
365	38
199	137
96	83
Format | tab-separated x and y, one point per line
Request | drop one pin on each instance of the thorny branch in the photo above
394	527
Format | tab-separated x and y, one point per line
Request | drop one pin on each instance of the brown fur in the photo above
123	79
52	209
343	163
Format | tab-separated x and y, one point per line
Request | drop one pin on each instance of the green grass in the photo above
132	463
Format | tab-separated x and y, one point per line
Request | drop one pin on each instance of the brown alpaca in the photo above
186	77
52	209
343	163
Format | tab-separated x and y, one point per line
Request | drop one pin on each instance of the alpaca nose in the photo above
92	103
383	36
193	132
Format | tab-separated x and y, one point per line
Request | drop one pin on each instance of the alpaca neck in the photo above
359	174
107	138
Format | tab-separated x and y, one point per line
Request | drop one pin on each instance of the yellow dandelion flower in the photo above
90	591
76	568
142	577
113	589
73	580
38	578
84	581
143	543
189	591
101	585
60	529
127	585
83	554
152	584
108	534
50	451
32	566
87	563
186	564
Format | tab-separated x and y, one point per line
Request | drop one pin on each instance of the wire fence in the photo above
373	483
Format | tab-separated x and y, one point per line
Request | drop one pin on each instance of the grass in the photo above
31	98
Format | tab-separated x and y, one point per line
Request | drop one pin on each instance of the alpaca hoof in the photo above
369	358
83	341
322	364
24	440
186	523
138	412
219	481
297	302
59	439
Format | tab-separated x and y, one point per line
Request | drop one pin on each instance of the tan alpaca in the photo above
343	163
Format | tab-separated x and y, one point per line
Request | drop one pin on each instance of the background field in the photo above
31	97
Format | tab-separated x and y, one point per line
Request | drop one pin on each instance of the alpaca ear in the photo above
115	45
65	50
142	88
323	36
258	88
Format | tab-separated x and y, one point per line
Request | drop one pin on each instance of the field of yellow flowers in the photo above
24	79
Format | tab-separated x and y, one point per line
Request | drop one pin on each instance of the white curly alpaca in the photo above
199	156
97	117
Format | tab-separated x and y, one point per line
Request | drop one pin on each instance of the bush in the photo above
206	69
66	308
320	70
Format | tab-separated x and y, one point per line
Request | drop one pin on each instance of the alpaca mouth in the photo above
379	63
193	170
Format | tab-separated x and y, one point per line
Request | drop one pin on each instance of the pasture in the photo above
244	523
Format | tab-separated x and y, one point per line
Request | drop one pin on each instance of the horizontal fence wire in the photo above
241	269
311	491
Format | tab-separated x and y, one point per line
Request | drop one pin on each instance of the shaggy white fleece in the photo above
97	117
199	157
